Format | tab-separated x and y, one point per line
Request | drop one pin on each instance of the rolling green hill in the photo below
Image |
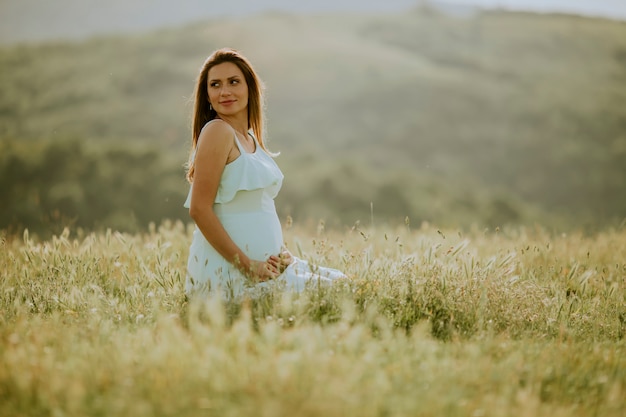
493	119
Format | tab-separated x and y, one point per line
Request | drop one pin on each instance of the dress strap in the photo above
256	143
241	148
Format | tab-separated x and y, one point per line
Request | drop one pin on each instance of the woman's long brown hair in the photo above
202	114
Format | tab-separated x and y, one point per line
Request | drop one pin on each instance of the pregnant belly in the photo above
251	221
258	234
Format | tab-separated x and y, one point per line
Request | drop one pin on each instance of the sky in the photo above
38	20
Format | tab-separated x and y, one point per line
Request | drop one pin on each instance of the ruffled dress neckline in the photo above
250	171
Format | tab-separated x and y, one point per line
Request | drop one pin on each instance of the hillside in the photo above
36	21
490	119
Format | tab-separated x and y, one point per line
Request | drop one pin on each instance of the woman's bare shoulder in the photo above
216	133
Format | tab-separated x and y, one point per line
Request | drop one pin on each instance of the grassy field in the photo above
513	322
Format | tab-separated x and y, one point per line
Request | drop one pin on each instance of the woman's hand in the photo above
263	271
281	261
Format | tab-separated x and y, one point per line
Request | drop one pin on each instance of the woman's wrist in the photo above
243	264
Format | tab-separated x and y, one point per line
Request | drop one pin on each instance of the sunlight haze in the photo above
36	20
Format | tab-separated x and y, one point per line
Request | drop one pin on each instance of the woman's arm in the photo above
215	149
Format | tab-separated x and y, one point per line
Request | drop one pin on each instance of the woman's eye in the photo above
214	84
234	81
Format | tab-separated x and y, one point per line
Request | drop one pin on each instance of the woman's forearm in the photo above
213	231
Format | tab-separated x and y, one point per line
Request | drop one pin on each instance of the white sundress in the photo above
245	206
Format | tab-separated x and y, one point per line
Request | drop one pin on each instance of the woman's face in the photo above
227	88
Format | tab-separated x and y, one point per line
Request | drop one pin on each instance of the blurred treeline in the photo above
49	185
487	119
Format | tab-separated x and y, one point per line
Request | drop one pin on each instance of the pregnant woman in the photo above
237	245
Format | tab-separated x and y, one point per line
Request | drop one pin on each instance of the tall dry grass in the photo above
433	322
